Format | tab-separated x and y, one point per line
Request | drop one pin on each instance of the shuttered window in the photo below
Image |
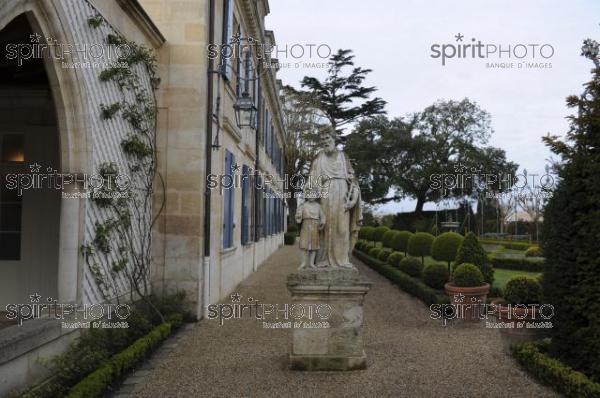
228	202
226	64
245	204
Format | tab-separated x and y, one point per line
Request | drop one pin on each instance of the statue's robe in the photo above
341	226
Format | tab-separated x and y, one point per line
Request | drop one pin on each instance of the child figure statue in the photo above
311	216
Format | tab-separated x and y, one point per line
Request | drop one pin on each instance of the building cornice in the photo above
134	9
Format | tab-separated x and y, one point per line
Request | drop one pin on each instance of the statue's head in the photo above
327	139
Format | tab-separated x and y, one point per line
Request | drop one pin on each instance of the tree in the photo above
375	167
445	247
471	252
571	229
419	245
342	98
303	122
532	201
403	156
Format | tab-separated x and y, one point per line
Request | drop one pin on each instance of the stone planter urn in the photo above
469	301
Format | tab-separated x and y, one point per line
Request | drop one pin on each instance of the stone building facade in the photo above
206	239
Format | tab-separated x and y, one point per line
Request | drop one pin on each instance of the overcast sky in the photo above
394	38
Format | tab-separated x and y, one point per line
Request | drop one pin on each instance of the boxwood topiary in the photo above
533	251
436	276
419	245
523	290
358	244
467	275
411	266
395	258
400	241
384	254
445	247
388	238
374	252
470	251
378	233
367	247
365	233
289	238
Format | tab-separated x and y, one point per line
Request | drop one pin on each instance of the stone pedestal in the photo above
340	345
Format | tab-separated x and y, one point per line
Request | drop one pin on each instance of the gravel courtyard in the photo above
409	355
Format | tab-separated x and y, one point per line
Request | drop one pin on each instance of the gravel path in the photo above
409	355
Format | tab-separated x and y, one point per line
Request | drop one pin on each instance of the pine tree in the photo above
342	98
571	232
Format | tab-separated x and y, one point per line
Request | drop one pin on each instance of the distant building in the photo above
520	216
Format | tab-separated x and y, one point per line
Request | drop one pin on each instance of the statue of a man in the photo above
340	202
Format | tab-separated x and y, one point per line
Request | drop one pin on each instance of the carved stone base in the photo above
339	346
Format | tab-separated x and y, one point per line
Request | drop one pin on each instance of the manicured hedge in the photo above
521	264
508	244
365	233
411	266
533	251
384	254
378	232
289	238
419	245
554	373
400	241
388	237
436	276
395	258
374	252
471	251
410	285
97	382
445	247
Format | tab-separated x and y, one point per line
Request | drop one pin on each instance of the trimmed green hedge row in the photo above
289	238
554	373
410	285
97	382
520	264
508	244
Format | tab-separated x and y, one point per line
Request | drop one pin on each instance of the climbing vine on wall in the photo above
121	243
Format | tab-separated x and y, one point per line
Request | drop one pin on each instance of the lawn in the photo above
501	276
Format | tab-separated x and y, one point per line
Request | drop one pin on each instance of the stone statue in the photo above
310	214
339	197
329	230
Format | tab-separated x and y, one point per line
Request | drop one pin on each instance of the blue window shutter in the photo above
226	213
277	211
272	214
270	211
245	202
266	128
280	218
228	203
262	214
231	206
271	142
227	35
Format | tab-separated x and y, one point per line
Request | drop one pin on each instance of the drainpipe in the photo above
256	165
208	145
